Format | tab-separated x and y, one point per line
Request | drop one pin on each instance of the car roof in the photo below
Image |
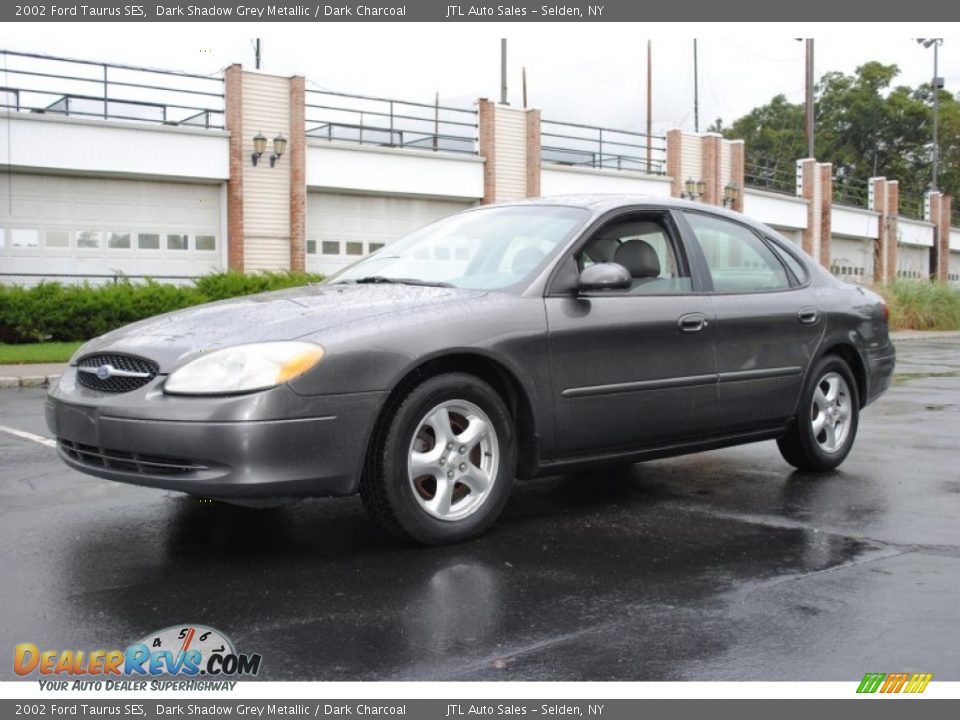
600	203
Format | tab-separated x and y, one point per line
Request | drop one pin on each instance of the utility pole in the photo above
696	91
257	54
649	104
503	71
524	88
936	86
808	110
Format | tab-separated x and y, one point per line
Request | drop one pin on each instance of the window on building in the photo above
118	240
354	248
56	239
330	247
373	247
148	241
24	238
3	238
176	242
206	243
311	247
88	239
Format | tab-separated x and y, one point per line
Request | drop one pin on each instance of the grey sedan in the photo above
497	344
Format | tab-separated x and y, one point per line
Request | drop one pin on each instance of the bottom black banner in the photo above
875	708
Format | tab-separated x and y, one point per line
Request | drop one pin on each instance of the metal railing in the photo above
912	205
772	177
34	83
851	191
32	279
389	122
563	143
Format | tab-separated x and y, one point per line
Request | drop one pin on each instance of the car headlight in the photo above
244	368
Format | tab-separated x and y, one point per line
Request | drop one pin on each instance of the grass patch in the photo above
47	352
922	305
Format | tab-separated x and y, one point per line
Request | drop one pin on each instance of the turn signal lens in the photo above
298	365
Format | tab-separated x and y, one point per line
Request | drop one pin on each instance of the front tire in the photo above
826	426
442	469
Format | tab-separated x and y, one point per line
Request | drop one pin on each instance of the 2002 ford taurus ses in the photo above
499	343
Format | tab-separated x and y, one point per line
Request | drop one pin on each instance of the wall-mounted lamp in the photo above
730	194
694	188
259	146
279	147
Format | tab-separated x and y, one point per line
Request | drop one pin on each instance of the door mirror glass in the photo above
604	276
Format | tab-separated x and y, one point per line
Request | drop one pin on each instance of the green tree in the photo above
865	126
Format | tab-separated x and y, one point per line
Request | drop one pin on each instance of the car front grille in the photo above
123	373
96	457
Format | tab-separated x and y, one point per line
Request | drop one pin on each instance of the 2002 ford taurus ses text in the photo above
499	343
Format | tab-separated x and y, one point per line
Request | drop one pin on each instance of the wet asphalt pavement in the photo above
724	565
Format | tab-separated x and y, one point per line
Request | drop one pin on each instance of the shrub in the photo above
922	305
230	284
50	311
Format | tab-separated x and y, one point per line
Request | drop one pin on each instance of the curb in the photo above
29	381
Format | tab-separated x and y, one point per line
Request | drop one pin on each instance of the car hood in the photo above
301	312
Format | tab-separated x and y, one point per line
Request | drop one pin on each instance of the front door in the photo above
632	367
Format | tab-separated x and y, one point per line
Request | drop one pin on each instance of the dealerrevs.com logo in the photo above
180	650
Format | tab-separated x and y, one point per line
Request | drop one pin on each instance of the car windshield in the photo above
499	248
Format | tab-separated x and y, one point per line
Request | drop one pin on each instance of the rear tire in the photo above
826	426
442	469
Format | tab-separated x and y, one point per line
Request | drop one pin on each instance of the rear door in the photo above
633	367
768	324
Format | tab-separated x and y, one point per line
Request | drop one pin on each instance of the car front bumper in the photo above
274	443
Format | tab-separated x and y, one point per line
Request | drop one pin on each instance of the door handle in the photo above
692	322
808	315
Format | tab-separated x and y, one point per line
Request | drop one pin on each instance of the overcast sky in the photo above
589	73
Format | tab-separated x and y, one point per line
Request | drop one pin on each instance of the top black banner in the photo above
443	11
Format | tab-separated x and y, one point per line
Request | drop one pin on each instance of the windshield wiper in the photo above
376	279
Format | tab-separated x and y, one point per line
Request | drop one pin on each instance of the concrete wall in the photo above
86	146
372	170
560	180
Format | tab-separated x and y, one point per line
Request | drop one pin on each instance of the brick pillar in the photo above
933	205
893	213
879	205
737	171
298	174
826	208
943	239
533	153
807	190
487	122
710	168
234	123
939	215
675	161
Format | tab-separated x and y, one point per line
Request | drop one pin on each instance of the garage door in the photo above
913	263
852	259
58	225
341	228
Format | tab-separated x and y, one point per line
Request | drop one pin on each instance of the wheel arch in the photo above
848	352
501	378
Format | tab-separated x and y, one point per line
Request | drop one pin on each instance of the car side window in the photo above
644	246
799	272
738	260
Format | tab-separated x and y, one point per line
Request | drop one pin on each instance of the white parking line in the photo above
29	436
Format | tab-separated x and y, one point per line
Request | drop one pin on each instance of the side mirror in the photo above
604	276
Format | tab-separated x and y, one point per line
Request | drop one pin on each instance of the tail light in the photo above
886	312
